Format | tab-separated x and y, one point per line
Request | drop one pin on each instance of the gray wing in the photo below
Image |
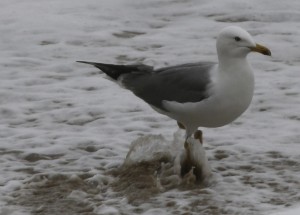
182	83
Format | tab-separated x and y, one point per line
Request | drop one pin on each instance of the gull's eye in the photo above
237	39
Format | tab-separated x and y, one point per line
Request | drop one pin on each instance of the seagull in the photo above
201	94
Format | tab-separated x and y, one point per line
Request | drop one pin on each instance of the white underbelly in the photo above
218	112
210	113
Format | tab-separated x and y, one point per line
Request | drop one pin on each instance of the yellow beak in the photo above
261	49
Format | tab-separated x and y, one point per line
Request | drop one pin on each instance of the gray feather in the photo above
182	83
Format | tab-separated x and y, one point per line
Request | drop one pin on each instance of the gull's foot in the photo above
193	160
186	162
186	167
199	135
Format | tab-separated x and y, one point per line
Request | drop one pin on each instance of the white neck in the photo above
232	64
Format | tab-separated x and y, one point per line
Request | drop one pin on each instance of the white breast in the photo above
231	96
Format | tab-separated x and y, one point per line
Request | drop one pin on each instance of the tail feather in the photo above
113	71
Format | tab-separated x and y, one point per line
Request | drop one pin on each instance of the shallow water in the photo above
149	178
65	130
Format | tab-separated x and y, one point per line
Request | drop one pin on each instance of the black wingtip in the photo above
113	71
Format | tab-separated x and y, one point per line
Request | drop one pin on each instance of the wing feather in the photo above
182	83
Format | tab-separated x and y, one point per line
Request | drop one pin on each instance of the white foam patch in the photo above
146	148
291	211
65	129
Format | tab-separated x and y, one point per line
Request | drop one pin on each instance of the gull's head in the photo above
234	41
